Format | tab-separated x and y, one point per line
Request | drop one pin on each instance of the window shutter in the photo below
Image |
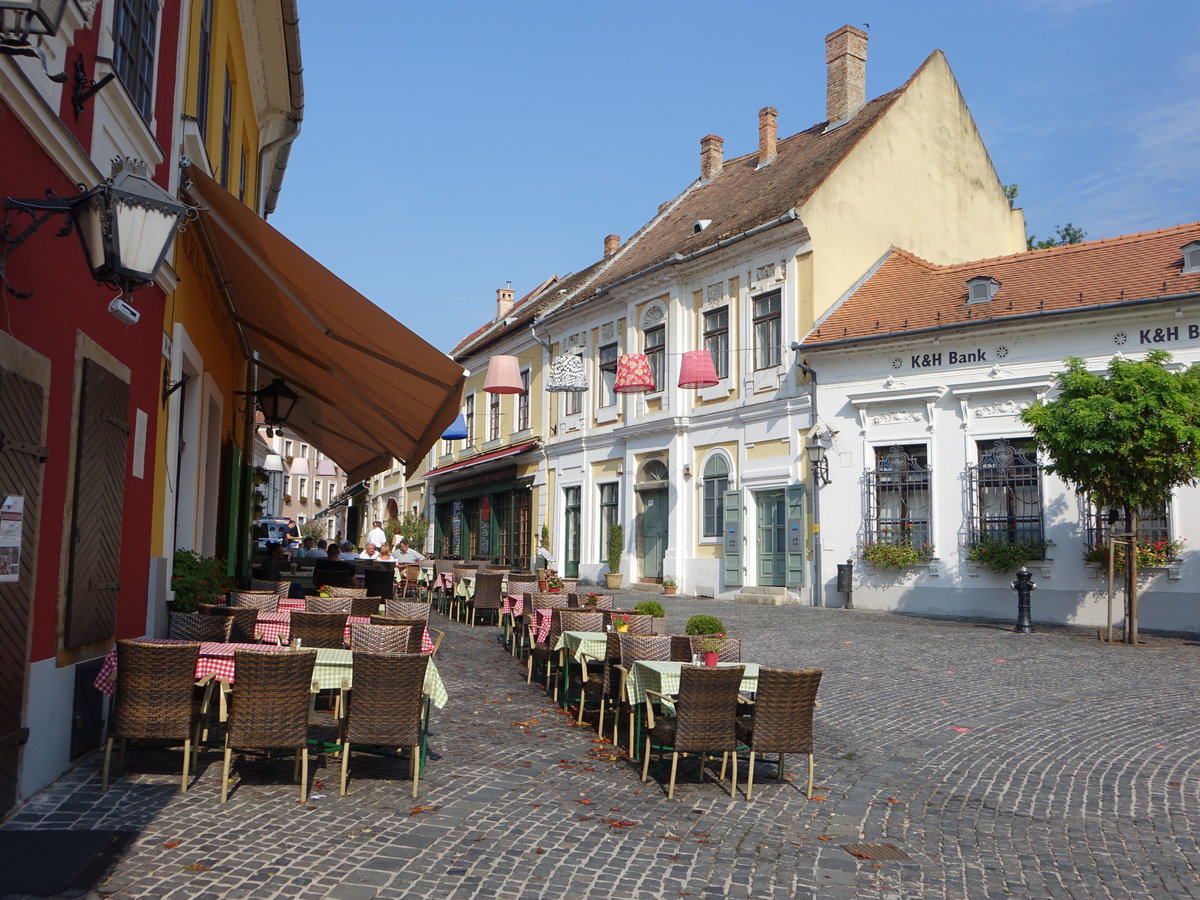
797	534
732	569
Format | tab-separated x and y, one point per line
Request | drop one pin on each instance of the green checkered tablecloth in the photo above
593	643
465	589
664	678
335	665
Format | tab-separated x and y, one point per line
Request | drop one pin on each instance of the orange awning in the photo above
370	389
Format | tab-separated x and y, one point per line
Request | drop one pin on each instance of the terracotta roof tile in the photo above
907	293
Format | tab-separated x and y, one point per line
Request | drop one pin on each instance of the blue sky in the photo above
451	147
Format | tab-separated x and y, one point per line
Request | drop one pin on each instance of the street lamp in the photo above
818	461
276	401
126	224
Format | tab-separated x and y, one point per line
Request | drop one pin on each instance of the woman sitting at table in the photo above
272	566
385	555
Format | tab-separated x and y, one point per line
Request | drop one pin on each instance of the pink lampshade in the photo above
697	370
503	376
633	374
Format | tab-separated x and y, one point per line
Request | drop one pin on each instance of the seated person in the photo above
347	551
405	554
332	570
370	552
318	551
274	564
385	555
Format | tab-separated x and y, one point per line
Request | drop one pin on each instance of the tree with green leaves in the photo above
1066	234
1125	439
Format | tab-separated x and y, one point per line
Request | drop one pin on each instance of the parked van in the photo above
274	529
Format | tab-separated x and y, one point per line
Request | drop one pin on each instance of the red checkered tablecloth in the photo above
287	604
541	624
276	625
512	604
215	659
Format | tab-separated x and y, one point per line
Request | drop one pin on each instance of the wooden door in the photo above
772	539
95	556
21	459
654	531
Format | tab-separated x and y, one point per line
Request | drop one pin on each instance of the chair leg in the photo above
733	779
811	766
225	773
704	765
304	773
529	669
645	760
187	758
107	760
674	766
345	766
750	777
415	765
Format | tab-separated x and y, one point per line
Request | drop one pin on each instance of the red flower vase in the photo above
710	657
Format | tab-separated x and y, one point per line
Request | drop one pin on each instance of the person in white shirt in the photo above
369	552
404	554
376	535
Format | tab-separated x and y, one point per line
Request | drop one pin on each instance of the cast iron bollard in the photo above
1023	586
845	582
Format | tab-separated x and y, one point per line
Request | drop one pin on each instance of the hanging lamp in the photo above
697	370
457	431
633	374
503	376
566	374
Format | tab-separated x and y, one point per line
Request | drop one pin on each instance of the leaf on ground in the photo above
860	854
539	851
417	810
824	837
584	800
619	823
198	867
892	800
959	728
671	837
318	785
171	845
819	799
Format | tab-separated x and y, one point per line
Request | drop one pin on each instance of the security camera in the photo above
123	311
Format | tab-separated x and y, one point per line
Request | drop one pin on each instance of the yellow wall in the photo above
921	179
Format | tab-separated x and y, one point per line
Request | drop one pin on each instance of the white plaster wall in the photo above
48	716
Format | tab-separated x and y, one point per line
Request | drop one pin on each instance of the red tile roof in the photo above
908	294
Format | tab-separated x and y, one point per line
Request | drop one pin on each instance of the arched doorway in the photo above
653	517
393	511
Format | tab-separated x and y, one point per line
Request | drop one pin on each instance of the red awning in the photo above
502	453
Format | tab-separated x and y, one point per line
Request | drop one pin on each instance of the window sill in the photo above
1172	568
719	391
766	379
933	567
606	414
1043	568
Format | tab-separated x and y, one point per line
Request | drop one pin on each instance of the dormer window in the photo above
1191	257
700	224
981	289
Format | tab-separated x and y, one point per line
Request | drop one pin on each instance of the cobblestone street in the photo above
1035	766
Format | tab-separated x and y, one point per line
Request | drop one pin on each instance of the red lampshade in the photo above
633	374
697	370
503	376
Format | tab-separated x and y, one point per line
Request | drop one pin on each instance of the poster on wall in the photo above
12	517
456	527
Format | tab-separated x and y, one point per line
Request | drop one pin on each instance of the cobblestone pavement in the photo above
1034	766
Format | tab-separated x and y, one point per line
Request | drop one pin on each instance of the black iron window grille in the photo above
897	498
1004	492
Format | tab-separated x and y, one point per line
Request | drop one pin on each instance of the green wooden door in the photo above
654	531
772	538
571	551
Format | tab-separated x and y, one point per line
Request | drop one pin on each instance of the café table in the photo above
334	670
277	626
575	645
663	677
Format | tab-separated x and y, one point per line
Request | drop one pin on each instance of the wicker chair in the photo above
407	609
156	698
379	638
442	567
318	604
416	629
385	708
276	587
598	683
781	718
704	722
487	594
380	581
683	646
335	591
540	653
263	601
195	627
407	580
632	647
269	709
364	606
332	573
316	629
534	600
243	620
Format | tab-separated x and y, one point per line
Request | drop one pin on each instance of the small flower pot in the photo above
668	589
542	586
622	628
710	658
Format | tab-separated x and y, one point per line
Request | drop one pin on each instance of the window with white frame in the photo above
303	488
470	417
608	514
608	375
715	484
316	491
767	330
1005	495
572	403
304	450
493	417
1153	531
287	449
716	339
897	498
523	402
655	348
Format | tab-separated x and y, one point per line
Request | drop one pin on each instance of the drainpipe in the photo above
291	40
818	587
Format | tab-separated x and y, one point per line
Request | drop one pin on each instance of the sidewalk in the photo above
1001	765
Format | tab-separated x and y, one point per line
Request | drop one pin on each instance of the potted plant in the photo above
591	599
1004	556
655	610
554	583
620	622
197	579
616	544
712	636
669	585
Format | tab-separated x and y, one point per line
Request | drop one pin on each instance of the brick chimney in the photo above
504	301
846	64
612	243
768	119
712	156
